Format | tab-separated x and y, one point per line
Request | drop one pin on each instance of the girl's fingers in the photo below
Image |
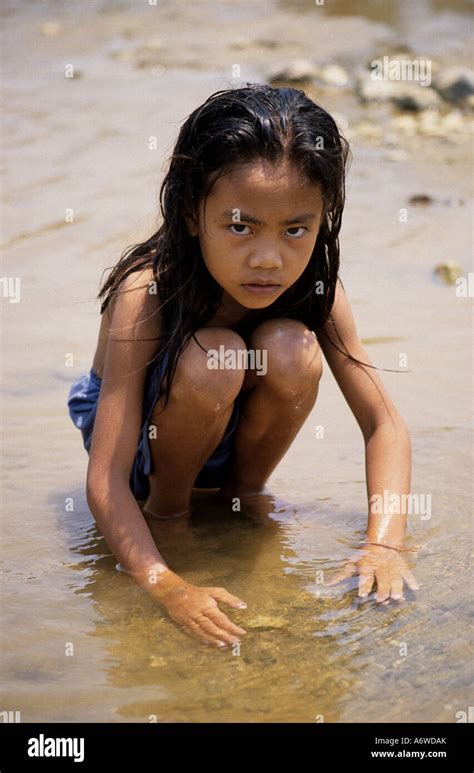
366	581
220	594
397	588
348	571
194	630
214	631
221	620
383	586
409	579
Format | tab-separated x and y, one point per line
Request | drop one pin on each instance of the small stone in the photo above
409	96
453	121
240	43
122	55
371	90
265	623
397	154
449	271
369	131
404	94
267	42
405	123
420	198
333	75
297	71
455	84
50	29
157	662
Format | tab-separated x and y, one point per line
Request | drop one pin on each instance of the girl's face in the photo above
259	232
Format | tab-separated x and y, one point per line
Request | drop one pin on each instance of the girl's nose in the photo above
265	259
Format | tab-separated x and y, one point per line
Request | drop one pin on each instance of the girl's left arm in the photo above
387	448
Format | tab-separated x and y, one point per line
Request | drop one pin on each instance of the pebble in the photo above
333	75
405	95
455	84
297	71
50	28
265	623
449	271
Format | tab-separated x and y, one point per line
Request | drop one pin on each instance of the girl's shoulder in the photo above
132	314
138	285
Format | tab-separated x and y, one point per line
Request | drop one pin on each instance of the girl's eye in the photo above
293	228
297	228
239	225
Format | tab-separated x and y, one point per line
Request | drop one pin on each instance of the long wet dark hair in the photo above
233	127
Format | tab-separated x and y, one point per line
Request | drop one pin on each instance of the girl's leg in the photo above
277	403
193	423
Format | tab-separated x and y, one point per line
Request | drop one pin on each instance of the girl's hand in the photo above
386	566
196	609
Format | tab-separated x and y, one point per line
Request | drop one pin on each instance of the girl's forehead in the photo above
261	180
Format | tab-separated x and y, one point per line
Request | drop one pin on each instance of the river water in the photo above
80	641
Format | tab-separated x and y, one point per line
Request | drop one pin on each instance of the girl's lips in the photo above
261	289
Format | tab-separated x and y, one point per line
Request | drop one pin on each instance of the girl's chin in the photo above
259	302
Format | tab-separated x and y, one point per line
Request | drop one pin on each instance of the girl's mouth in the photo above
261	289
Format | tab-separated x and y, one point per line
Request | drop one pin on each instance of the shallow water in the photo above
310	654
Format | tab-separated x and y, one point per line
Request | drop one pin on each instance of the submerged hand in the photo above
384	565
195	608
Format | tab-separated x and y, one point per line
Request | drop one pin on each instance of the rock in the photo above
149	55
264	623
370	90
297	71
240	43
455	84
405	123
429	123
396	155
50	29
408	95
453	127
411	96
267	42
122	55
420	198
333	75
369	131
449	271
452	121
157	662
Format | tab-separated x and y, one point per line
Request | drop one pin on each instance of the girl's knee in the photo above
293	354
210	367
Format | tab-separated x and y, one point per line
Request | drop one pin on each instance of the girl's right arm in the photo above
135	323
135	320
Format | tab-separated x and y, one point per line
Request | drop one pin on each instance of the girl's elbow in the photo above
102	484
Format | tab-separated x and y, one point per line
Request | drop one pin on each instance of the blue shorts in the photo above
82	404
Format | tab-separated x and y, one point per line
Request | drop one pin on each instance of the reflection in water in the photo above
300	659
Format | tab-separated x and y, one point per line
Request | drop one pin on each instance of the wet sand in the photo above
82	144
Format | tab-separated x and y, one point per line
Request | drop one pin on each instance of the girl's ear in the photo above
192	226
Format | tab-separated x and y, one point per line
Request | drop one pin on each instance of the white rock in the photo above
333	75
296	71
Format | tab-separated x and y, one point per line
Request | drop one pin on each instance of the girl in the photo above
246	260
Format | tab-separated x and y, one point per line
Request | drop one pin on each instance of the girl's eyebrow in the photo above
302	218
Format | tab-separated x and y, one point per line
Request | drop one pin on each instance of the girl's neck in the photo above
229	314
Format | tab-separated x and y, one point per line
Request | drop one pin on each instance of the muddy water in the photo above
80	641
